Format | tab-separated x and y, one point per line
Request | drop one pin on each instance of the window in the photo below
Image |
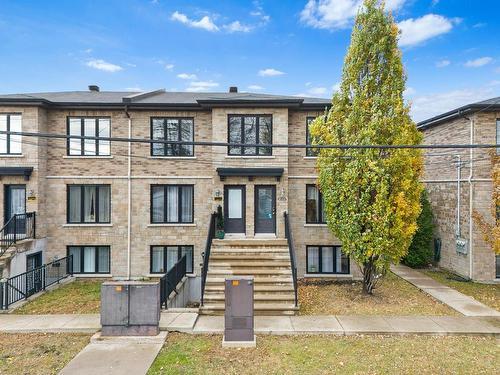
10	143
498	136
163	258
172	203
172	129
326	259
89	127
310	151
250	130
497	265
89	203
315	206
90	259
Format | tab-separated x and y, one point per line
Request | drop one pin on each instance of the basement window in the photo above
90	259
497	264
326	260
163	258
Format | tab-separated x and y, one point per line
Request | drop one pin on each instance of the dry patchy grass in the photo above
78	297
489	294
188	354
38	353
393	296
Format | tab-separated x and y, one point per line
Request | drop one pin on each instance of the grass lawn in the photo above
489	294
393	296
188	354
38	353
77	297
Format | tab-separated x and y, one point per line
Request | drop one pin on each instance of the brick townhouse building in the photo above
132	210
462	246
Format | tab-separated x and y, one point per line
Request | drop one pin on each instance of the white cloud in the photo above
417	30
259	12
237	26
169	66
443	63
255	87
336	87
186	76
134	89
88	50
427	106
497	70
270	72
103	65
477	63
336	14
197	86
410	91
479	25
205	22
320	91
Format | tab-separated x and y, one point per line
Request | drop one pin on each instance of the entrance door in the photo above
34	278
265	209
15	203
234	209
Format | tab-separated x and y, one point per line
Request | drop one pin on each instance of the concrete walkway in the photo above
116	356
465	305
280	325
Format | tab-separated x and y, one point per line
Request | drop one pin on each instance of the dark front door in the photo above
34	278
265	209
234	209
15	203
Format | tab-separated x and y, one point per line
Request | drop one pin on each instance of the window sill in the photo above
87	225
92	275
172	225
315	225
158	275
250	157
310	157
11	156
329	275
174	157
88	157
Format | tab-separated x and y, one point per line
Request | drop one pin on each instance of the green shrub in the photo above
420	251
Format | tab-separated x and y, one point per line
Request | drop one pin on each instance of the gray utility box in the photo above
239	322
130	308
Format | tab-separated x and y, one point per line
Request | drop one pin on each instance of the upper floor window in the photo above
172	129
326	259
89	203
172	203
10	143
249	129
310	151
315	205
89	127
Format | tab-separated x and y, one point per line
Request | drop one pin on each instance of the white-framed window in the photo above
10	144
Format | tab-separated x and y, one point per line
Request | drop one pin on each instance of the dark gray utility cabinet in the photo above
239	312
130	308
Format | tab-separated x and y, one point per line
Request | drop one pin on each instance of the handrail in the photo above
169	281
291	249
18	227
33	281
206	254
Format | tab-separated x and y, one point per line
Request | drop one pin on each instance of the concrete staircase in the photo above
267	260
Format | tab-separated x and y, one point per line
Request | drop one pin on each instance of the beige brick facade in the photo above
54	170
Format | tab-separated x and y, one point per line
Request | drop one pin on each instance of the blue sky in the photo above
451	49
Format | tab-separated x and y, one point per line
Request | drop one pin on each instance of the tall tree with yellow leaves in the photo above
371	195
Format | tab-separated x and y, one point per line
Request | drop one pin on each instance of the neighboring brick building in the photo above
477	123
80	189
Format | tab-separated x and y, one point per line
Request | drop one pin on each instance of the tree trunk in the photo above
369	276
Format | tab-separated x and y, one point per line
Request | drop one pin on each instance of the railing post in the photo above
3	294
34	224
43	277
15	228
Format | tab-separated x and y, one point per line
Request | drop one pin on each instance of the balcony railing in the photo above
19	227
288	235
169	281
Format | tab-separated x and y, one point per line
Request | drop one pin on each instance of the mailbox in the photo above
239	312
130	308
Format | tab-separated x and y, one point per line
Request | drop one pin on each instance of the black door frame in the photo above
256	188
243	208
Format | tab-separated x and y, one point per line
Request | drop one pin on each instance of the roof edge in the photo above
456	113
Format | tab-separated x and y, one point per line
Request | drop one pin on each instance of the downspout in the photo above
129	194
471	200
459	192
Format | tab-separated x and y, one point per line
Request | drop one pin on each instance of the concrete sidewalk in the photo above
88	323
465	305
116	356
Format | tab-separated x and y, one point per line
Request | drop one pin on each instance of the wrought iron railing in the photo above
18	227
31	282
169	281
206	254
291	249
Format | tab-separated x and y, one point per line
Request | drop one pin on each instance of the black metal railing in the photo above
206	254
291	249
169	281
18	227
31	282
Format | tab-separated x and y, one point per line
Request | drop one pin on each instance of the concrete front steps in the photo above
267	260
